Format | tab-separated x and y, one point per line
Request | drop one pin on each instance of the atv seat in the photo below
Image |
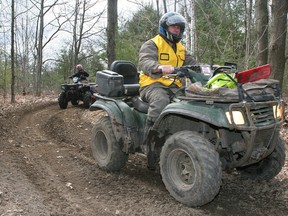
140	105
130	76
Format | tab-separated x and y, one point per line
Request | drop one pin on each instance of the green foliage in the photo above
220	31
63	66
134	32
5	74
51	81
94	63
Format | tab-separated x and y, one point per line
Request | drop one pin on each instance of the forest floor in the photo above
46	168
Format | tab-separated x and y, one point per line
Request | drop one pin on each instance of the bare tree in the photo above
18	33
165	6
12	51
24	43
39	39
189	13
83	27
158	10
248	23
78	29
278	38
111	30
39	48
175	5
262	18
74	59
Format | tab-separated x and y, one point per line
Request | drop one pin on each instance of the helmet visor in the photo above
176	20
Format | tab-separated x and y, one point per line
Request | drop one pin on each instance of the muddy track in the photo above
47	168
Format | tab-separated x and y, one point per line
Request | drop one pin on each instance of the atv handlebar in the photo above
183	70
178	71
220	69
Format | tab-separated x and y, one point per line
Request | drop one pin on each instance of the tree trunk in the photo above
40	50
248	21
74	57
262	17
278	38
12	52
80	37
158	10
189	14
111	30
165	6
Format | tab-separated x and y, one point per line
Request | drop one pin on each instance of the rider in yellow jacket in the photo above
158	57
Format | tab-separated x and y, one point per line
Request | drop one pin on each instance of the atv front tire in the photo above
62	100
269	167
190	168
105	148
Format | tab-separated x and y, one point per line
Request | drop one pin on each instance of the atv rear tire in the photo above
105	148
62	100
87	100
269	167
190	168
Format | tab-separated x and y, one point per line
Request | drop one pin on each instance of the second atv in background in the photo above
80	90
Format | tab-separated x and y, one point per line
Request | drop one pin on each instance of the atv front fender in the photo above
208	113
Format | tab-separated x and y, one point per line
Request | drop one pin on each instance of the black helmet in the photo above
169	19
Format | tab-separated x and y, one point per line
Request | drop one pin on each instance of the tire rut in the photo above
48	165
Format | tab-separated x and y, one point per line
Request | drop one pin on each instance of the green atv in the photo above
77	91
198	135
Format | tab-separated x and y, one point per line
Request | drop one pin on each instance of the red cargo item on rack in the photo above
254	74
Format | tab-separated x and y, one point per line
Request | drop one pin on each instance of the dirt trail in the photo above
46	168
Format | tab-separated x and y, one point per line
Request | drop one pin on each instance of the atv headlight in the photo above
278	111
237	117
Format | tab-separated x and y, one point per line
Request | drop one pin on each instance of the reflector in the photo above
254	74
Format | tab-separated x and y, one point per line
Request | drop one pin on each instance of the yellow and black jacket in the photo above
165	56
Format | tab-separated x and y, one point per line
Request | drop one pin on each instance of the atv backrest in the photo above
127	69
130	76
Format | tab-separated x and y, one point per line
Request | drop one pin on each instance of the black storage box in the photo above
109	83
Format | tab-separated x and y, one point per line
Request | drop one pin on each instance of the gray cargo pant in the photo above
158	97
